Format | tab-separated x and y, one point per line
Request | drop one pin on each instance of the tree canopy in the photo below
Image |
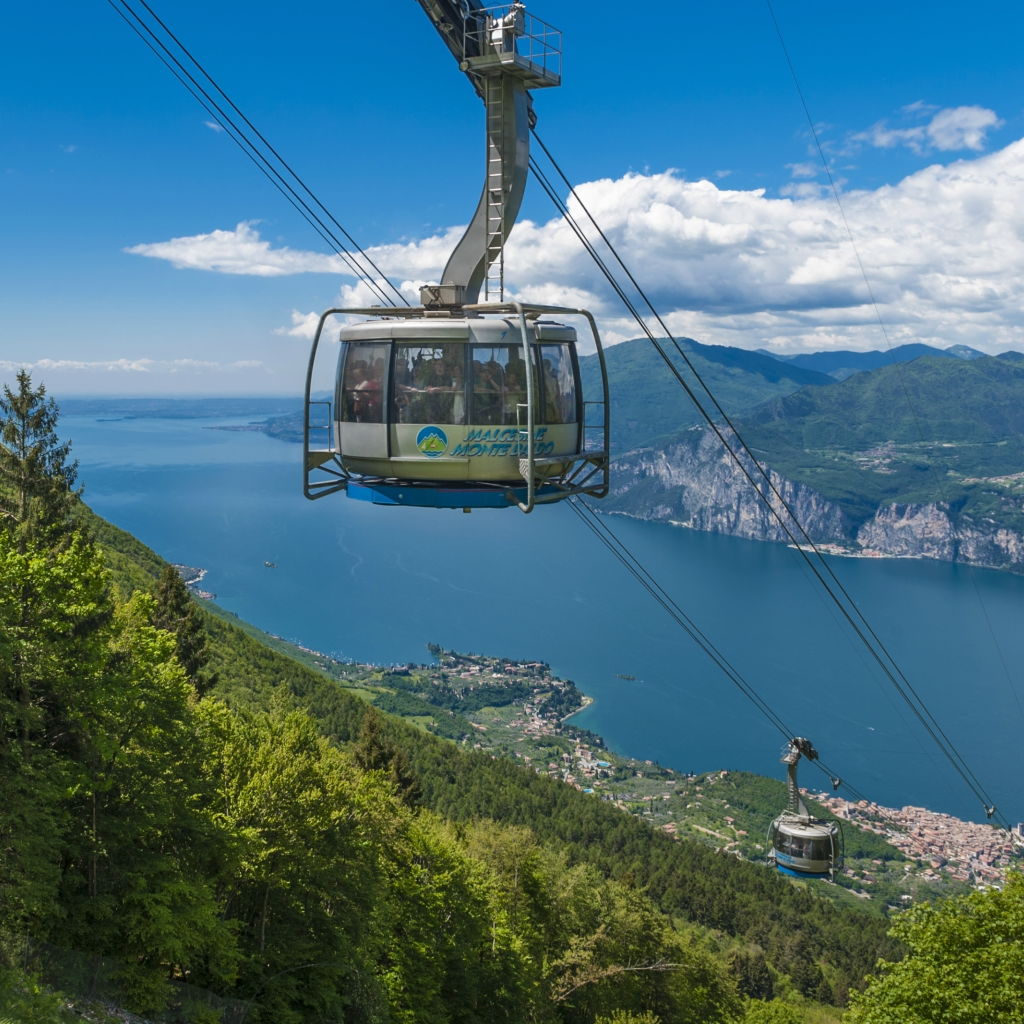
965	964
37	495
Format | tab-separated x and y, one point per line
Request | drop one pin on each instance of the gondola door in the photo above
362	399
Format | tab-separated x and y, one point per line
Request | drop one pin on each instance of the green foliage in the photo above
750	969
774	1012
37	496
132	565
627	1017
24	1000
301	886
177	613
965	964
374	752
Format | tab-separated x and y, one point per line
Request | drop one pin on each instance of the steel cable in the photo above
252	150
820	568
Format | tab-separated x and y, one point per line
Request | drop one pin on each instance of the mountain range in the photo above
842	364
923	458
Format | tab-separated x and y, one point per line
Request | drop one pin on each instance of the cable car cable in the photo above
284	163
839	205
239	138
620	550
622	553
850	611
911	405
251	149
244	145
922	712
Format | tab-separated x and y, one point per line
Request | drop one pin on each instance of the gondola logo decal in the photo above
432	441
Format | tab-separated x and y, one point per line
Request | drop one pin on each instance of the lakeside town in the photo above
522	710
535	727
963	850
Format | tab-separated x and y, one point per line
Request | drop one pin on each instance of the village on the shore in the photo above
964	850
522	710
927	847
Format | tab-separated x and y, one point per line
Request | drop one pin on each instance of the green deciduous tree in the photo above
106	827
140	885
773	1013
177	613
965	964
37	495
375	751
53	608
306	878
750	969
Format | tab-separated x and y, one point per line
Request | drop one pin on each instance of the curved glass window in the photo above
429	383
362	384
558	384
807	847
497	384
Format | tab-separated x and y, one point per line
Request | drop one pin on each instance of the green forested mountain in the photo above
647	403
842	364
930	430
280	851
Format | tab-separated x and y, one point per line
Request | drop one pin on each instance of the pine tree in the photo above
177	613
376	752
37	483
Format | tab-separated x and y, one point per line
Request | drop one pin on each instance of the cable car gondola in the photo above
463	411
798	843
457	403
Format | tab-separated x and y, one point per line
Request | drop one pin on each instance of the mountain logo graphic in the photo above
432	441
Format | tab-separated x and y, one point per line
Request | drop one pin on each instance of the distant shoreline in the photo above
192	577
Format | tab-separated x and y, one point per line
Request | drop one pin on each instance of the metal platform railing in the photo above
510	39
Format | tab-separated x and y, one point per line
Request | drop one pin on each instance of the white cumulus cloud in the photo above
939	252
947	130
240	251
939	249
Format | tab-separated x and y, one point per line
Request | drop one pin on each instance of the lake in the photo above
378	584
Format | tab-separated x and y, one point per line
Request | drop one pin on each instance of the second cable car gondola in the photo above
798	843
457	403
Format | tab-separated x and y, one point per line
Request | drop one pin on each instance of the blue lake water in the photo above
378	584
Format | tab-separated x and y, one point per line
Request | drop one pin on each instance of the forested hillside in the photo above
201	858
198	826
647	404
922	458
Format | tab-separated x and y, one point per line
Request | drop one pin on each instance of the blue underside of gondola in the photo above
800	874
440	497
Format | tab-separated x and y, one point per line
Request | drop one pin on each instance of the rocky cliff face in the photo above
931	531
695	483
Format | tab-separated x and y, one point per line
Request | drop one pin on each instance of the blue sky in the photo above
143	254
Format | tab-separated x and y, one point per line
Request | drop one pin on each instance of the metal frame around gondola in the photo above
588	470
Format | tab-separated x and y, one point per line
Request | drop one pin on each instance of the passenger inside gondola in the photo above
363	384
